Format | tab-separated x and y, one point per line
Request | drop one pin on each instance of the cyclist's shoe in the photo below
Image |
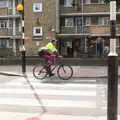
52	74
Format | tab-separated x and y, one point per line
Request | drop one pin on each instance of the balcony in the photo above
97	29
94	8
90	8
9	32
6	13
92	30
65	10
3	32
3	11
71	30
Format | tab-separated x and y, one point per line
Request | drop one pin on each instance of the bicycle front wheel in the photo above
39	72
65	72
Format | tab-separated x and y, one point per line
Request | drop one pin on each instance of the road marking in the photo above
49	103
48	92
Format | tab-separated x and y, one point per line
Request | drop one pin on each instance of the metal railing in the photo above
73	30
91	29
91	8
9	31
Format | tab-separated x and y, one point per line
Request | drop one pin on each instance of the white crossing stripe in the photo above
51	95
49	103
48	92
83	85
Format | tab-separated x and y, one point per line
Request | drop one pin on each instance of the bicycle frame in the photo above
54	59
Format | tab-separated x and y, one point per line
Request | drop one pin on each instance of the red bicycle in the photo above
63	71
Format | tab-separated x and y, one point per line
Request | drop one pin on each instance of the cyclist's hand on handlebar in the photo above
53	55
60	56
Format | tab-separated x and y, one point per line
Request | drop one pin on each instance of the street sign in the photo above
27	38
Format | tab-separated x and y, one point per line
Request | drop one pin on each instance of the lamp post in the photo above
112	67
20	9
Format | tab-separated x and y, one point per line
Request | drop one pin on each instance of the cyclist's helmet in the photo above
53	40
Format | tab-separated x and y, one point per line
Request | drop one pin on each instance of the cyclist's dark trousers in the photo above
47	56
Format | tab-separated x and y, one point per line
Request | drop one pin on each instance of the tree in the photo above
117	3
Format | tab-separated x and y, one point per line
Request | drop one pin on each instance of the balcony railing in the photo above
8	12
73	30
3	11
9	32
72	9
92	29
3	32
91	8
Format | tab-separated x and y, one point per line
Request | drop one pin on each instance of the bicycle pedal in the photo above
51	75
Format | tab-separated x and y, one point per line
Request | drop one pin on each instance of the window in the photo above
68	3
88	21
10	4
10	44
94	20
68	22
94	1
103	20
3	24
3	43
3	4
37	31
87	2
101	1
37	7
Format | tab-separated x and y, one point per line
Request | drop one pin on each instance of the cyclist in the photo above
46	52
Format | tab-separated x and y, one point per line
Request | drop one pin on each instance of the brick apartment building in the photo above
40	23
82	24
10	30
77	24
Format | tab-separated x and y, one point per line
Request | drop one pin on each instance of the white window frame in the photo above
87	2
10	44
3	43
101	2
88	21
4	22
102	20
68	3
39	7
4	4
68	24
37	34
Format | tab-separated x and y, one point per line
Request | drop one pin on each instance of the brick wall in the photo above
96	8
46	19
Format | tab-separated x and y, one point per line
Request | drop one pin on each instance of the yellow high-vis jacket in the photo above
49	47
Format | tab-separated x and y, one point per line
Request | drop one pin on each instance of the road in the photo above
25	98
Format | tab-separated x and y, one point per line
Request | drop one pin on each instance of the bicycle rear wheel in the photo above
65	72
39	72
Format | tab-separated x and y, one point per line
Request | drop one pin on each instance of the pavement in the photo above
79	71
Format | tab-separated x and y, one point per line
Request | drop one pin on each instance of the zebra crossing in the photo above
76	99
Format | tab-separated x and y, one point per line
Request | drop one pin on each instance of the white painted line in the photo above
85	85
50	103
48	92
